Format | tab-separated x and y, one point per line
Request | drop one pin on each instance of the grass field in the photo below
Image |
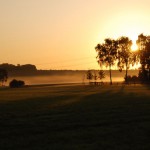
75	117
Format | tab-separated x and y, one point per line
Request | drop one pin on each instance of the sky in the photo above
62	34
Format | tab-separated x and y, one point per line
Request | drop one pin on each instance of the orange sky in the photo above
62	34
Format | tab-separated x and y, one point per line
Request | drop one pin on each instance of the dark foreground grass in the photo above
75	118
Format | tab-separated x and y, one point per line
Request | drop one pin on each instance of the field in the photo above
75	117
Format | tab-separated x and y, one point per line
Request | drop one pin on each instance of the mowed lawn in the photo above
75	117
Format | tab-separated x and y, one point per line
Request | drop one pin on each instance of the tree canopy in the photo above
118	52
107	54
124	54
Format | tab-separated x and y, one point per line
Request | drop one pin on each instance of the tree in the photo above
142	42
132	79
95	77
89	75
124	54
101	74
107	54
16	83
3	76
144	52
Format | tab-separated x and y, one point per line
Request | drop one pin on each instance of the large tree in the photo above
107	54
124	54
144	54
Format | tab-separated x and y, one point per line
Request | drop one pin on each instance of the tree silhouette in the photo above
95	77
16	83
101	74
119	52
89	75
107	54
124	54
141	42
3	76
144	54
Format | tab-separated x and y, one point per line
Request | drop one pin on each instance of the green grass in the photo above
75	117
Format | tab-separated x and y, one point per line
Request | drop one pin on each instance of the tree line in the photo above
118	53
15	68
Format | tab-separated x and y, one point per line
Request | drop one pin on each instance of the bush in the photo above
16	83
131	79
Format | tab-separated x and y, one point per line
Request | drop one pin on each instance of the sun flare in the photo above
134	47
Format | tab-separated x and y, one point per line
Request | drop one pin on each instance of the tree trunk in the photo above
110	74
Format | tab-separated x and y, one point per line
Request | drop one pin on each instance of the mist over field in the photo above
56	79
76	77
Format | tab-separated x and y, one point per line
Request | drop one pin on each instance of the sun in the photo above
134	46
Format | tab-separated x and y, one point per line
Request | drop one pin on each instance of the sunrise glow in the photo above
50	31
133	36
134	47
135	66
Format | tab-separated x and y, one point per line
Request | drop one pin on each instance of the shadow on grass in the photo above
98	119
147	86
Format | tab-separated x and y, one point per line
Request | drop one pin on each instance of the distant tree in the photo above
7	67
28	67
107	54
13	70
89	75
101	74
95	77
3	76
124	54
16	83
